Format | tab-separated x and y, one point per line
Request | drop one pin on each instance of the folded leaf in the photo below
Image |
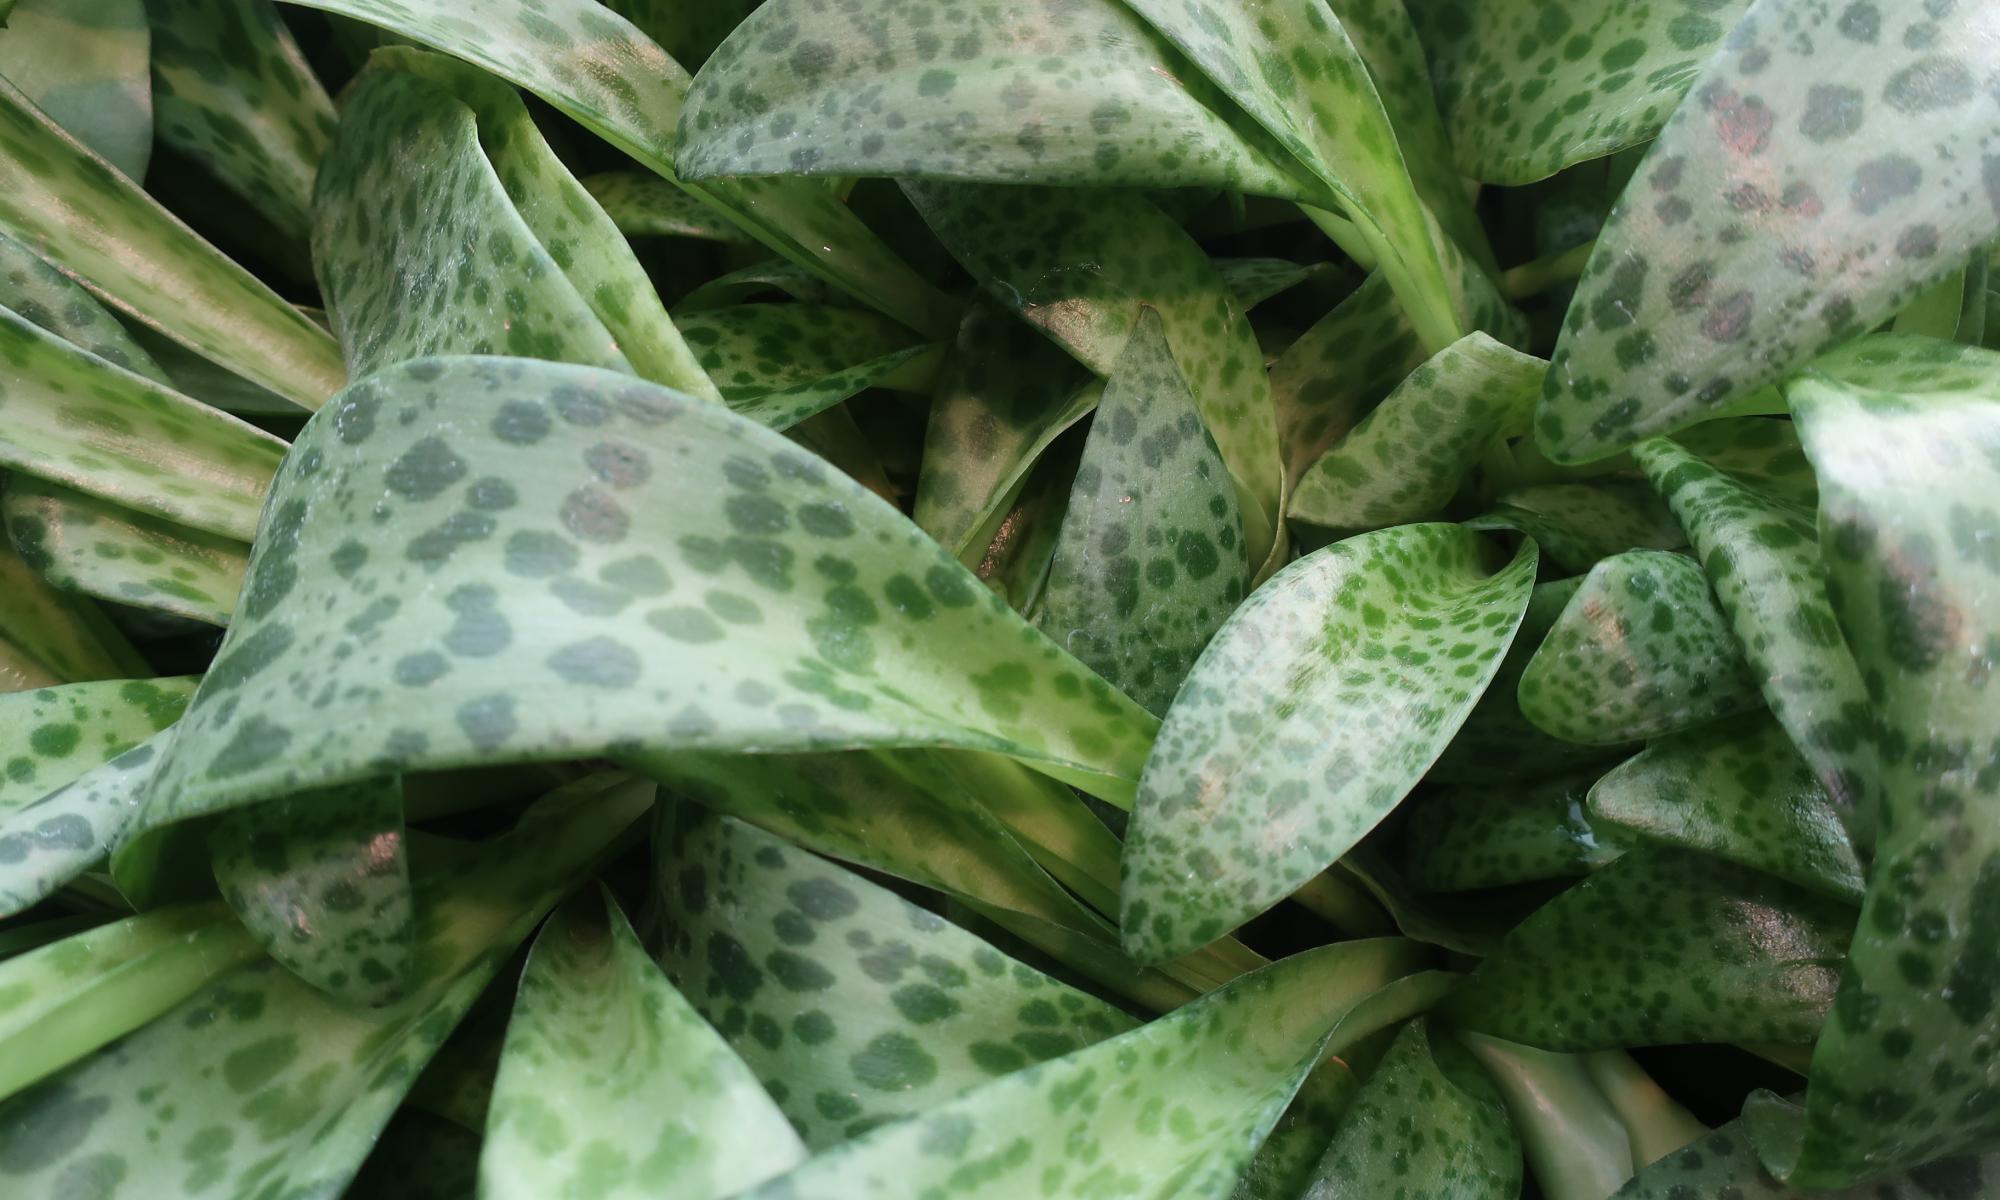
1149	562
1906	515
46	297
53	839
1576	524
83	62
1738	791
234	93
1662	946
52	735
1317	707
1327	380
853	1005
1642	649
1496	835
752	349
1510	73
1408	457
85	544
1176	1107
1826	166
611	1083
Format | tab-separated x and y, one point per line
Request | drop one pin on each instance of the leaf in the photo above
322	881
644	205
97	226
419	1157
751	350
76	419
1575	1145
756	281
1663	946
854	1006
1419	1129
428	138
1495	835
1327	381
1762	556
1407	458
83	63
611	1083
1080	265
598	594
233	92
50	841
1849	139
318	1081
1508	74
1149	562
1254	280
1323	699
66	1000
792	407
84	544
1739	792
1576	524
1641	650
44	296
1724	1164
593	66
688	32
1176	1106
53	735
72	638
1906	514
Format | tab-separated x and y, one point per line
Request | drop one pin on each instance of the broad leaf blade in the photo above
1576	524
83	62
1493	835
1328	380
85	544
53	735
51	840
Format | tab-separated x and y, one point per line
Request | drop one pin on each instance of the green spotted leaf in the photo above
1762	555
85	544
50	736
643	205
1423	1130
1177	1107
322	881
44	296
51	840
601	567
854	1006
1080	265
97	226
1528	89
232	91
1328	380
1472	837
1324	698
1703	951
1576	524
1724	1163
752	350
1825	167
1903	435
689	32
78	420
1406	459
1255	280
319	1081
594	66
73	641
610	1082
1149	562
788	407
65	1000
83	62
757	281
1641	650
1740	792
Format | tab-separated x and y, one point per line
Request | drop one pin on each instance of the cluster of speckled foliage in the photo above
949	600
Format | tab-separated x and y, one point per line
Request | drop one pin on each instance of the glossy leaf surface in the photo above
1490	836
50	736
85	544
83	62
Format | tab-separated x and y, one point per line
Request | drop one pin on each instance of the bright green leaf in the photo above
1327	381
53	839
53	735
1493	835
46	297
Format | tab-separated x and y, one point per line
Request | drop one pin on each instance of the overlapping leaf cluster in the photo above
1109	598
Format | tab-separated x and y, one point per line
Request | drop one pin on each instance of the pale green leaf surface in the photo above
1496	834
643	205
83	62
56	837
50	736
72	638
751	350
82	543
232	91
1328	380
788	407
1317	707
1574	1143
853	1005
1663	946
757	282
1739	792
1149	562
46	297
1408	457
689	32
83	217
1824	168
1641	650
1576	524
611	1084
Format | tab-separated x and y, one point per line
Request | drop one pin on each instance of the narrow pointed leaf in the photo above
72	638
1327	381
51	840
52	735
1508	72
1255	280
1724	1163
1740	792
790	407
754	349
1641	650
83	62
853	1005
1492	836
1149	562
1576	524
96	225
63	1001
1850	139
44	296
233	93
1176	1107
1408	457
82	543
1313	712
1662	946
610	1082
